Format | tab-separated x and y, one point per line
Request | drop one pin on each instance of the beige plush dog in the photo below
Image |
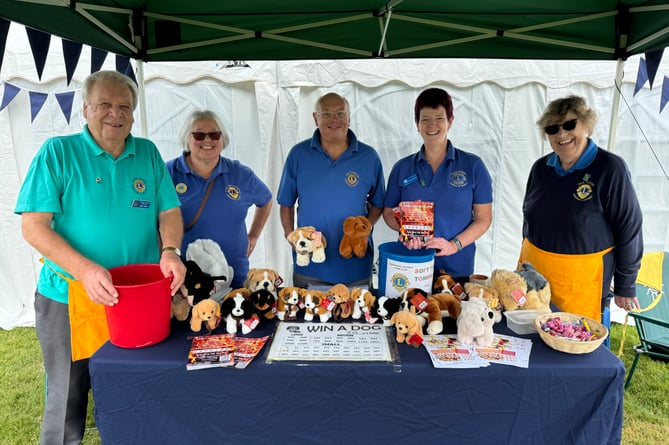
341	297
259	278
408	327
308	243
206	311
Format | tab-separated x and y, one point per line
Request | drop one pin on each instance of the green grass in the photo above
645	418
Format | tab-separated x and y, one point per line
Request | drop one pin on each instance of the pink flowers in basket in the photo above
577	330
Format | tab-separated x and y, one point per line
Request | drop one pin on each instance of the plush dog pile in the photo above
474	307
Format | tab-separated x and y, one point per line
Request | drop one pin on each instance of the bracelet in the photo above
457	243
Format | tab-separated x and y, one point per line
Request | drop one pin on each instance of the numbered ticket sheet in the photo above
357	342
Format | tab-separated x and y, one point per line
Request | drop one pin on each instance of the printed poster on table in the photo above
330	342
446	352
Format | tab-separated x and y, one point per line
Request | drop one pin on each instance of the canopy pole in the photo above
615	105
142	99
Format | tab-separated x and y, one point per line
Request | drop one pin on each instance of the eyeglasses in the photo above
200	135
566	126
332	114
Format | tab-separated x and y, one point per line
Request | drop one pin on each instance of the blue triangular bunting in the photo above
652	64
124	66
71	53
65	101
36	102
39	44
641	76
10	93
4	32
98	57
665	93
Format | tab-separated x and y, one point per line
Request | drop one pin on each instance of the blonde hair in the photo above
557	109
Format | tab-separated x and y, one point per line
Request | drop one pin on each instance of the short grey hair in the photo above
319	102
109	76
196	116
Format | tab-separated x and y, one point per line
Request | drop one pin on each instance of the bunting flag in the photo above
665	93
39	44
71	53
36	102
652	64
641	76
65	101
4	32
98	57
10	93
124	66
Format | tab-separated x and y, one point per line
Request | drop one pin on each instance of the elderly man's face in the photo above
333	119
108	112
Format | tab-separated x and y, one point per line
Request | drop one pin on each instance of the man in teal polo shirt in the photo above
90	202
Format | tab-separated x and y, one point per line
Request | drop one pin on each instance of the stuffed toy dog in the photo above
514	292
268	279
198	285
445	282
489	294
238	312
356	236
208	255
385	308
314	305
341	297
179	308
408	327
289	302
363	304
307	242
206	311
474	325
430	309
264	302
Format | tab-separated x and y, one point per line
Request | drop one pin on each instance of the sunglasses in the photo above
200	135
566	125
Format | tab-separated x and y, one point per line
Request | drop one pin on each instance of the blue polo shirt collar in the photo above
352	141
183	167
586	159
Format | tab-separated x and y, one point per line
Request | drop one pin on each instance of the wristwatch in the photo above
457	242
175	249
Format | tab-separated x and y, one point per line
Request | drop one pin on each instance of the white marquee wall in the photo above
267	109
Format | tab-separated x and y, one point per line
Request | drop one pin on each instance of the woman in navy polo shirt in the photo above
457	182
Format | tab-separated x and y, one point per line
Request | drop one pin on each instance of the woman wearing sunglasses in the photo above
582	220
216	193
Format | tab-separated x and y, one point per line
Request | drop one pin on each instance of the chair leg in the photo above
632	369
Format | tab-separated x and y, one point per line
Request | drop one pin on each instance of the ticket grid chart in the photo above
330	342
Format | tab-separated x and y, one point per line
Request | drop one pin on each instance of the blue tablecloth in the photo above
147	396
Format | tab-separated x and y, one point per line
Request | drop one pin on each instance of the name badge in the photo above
141	204
409	180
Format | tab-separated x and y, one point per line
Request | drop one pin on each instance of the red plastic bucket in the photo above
142	316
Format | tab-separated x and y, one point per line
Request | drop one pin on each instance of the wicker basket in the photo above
565	344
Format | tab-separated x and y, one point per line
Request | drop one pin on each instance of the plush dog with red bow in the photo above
431	309
207	311
238	312
408	327
289	302
309	244
363	303
315	305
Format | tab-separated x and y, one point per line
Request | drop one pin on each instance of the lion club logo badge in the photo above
459	178
181	188
139	185
352	179
232	192
399	282
584	189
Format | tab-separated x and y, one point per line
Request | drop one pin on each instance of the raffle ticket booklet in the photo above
355	342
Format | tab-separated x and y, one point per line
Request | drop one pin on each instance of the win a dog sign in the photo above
329	342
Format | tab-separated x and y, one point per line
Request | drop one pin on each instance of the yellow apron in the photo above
88	321
576	280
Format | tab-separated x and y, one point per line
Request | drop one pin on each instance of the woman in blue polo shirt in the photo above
235	188
457	182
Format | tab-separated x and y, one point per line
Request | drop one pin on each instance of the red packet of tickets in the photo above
416	220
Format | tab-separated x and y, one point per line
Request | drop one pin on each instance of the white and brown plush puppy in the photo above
308	243
431	309
446	283
268	279
289	302
341	297
237	311
206	311
363	303
408	327
314	305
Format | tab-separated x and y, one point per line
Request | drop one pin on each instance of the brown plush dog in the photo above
341	297
363	302
268	279
290	299
308	243
179	308
206	311
313	305
446	283
431	309
408	327
356	236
